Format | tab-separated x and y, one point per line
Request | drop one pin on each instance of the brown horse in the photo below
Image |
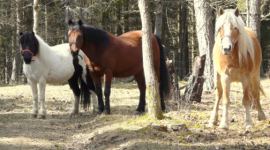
237	58
119	56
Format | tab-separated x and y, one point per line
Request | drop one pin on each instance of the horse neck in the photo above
45	52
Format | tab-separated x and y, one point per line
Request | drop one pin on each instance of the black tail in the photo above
85	95
164	76
86	86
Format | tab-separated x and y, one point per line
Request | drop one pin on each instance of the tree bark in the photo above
16	60
35	15
158	21
193	91
152	85
205	36
254	16
67	17
183	39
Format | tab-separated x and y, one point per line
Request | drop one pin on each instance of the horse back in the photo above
124	54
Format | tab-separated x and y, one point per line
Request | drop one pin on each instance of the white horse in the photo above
55	65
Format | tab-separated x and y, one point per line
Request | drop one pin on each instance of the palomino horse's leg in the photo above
42	88
142	87
74	85
247	102
256	100
225	83
34	88
214	115
107	91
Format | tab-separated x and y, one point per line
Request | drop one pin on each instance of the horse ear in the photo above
80	23
33	32
70	22
236	12
220	11
20	33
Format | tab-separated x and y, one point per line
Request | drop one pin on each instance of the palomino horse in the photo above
237	58
119	56
56	65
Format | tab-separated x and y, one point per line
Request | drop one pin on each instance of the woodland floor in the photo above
181	129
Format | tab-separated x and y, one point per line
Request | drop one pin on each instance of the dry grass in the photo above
122	129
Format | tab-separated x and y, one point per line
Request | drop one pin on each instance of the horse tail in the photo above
85	94
262	91
164	75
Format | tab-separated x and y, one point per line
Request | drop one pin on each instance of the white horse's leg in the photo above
214	114
75	109
94	101
42	88
34	88
225	82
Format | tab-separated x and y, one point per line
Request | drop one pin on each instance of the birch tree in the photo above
16	60
205	35
254	16
35	15
152	85
158	21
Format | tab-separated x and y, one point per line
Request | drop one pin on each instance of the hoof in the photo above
139	112
261	117
211	125
42	117
107	112
223	126
73	115
248	128
33	115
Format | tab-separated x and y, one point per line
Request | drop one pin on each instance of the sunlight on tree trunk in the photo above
254	16
152	85
205	36
158	21
35	15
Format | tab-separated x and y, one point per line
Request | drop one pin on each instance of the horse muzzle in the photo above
27	56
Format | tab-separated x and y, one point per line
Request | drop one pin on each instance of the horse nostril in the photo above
228	49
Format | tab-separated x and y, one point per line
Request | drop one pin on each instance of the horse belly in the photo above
59	77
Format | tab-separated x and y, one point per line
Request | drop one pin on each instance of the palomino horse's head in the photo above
28	46
75	36
227	28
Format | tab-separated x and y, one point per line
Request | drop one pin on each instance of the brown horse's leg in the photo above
214	115
247	102
225	83
141	85
98	88
107	91
256	96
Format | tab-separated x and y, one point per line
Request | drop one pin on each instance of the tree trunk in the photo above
126	16
35	15
193	91
158	21
16	60
46	22
152	86
205	36
254	16
67	17
183	39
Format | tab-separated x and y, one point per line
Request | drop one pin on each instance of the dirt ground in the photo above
181	129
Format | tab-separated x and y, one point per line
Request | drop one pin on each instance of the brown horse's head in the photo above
75	36
28	46
227	28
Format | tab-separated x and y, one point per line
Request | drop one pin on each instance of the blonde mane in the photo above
245	44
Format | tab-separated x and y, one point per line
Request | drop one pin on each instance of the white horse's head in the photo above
29	46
